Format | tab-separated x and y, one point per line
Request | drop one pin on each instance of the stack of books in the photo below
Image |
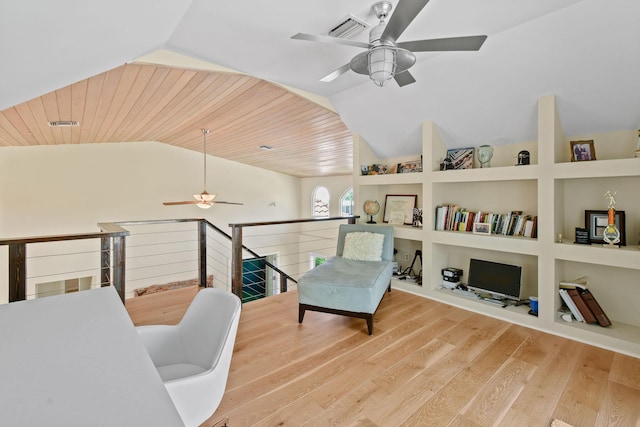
451	217
580	301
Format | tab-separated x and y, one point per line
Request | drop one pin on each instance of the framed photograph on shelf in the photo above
596	221
582	151
481	228
461	158
410	167
398	208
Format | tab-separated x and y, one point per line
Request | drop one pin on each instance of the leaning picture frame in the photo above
481	228
461	158
596	221
397	205
582	151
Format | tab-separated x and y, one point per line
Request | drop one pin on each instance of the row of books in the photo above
451	217
580	301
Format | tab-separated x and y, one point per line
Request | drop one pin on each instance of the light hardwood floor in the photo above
427	364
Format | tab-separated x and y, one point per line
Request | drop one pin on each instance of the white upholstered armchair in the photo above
193	357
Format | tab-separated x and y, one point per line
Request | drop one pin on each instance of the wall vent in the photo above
348	27
63	124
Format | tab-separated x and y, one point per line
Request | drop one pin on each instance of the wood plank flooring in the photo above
427	364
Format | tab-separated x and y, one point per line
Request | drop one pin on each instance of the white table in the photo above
77	360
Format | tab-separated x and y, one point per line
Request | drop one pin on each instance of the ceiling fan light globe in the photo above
382	64
204	205
204	197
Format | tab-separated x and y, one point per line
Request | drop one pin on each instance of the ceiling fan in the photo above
203	200
385	59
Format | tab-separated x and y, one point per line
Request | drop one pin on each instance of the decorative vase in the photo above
485	153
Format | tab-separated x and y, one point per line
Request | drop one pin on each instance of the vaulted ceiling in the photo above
583	51
138	102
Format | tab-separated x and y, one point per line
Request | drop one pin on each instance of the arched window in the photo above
320	201
346	202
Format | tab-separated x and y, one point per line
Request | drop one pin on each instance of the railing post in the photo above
283	283
236	260
119	265
17	272
105	259
202	253
352	220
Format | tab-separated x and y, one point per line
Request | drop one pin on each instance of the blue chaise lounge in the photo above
354	281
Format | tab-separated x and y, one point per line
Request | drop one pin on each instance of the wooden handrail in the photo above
351	219
62	237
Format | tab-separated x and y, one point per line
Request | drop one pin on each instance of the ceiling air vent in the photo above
63	124
348	27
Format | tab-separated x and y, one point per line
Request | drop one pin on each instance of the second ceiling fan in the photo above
385	58
203	200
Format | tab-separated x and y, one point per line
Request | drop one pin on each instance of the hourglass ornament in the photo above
485	153
611	233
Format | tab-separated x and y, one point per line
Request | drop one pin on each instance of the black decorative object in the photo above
582	236
446	164
524	158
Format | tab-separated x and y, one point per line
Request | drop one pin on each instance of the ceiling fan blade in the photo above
227	203
404	78
332	40
336	73
404	14
195	202
180	203
446	44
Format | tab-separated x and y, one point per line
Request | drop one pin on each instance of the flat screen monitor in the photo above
499	280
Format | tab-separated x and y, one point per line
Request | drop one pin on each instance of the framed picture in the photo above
582	151
398	208
409	167
461	158
596	221
481	228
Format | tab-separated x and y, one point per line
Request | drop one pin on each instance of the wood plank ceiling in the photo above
141	102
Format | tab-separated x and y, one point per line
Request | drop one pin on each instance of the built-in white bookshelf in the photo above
552	188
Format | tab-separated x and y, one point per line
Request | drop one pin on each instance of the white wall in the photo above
70	188
63	189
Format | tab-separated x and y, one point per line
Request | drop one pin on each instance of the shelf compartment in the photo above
575	195
515	314
523	245
486	174
614	288
597	169
488	196
408	232
446	255
391	178
623	257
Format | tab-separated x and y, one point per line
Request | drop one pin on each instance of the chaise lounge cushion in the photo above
345	284
363	246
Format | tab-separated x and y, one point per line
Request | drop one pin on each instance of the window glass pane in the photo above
346	203
321	202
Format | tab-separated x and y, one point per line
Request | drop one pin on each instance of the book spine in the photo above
593	305
569	302
582	306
